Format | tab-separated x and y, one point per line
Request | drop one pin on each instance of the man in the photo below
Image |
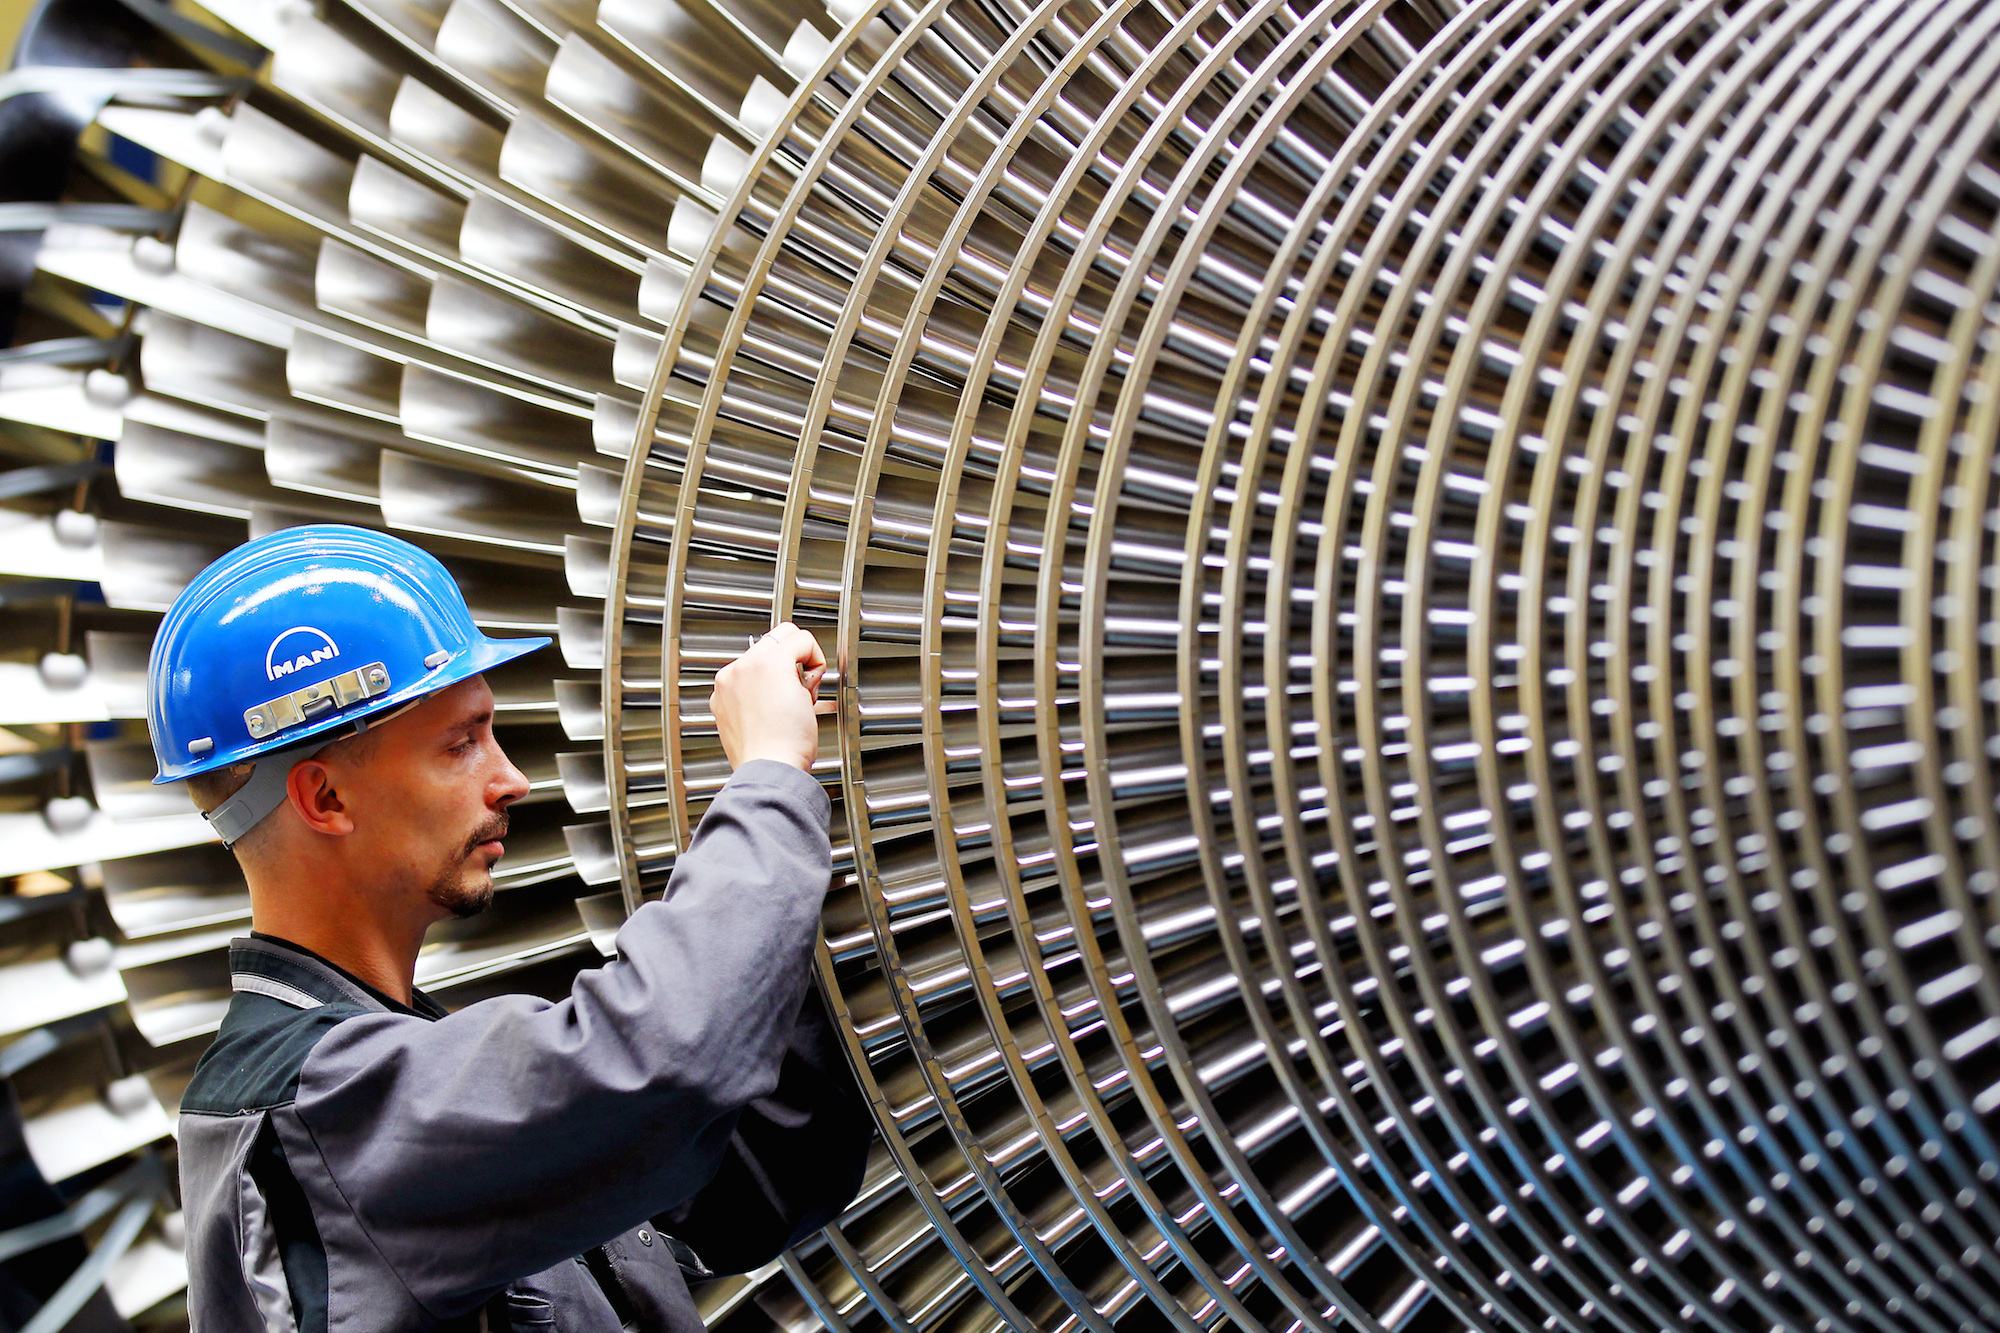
354	1159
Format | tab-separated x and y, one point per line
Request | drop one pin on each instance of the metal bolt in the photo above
645	1237
256	726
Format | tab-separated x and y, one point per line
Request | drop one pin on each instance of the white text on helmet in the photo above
274	666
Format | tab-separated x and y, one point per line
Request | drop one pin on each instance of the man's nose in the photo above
510	784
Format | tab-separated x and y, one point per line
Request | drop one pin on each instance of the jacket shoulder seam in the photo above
203	1113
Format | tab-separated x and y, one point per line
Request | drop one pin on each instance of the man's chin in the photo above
469	907
472	904
467	898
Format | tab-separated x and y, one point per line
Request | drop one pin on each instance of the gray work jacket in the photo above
351	1165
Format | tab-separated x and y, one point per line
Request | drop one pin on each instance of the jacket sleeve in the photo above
515	1133
794	1162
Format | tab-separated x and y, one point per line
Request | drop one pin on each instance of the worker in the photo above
354	1159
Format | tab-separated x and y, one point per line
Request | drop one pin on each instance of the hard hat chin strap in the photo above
265	791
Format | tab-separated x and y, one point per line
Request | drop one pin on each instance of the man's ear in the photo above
310	790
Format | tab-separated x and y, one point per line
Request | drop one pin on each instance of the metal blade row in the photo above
1392	570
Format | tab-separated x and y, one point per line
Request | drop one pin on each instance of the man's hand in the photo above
763	707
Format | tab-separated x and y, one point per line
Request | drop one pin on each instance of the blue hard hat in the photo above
302	636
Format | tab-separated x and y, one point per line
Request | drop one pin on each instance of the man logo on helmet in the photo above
300	654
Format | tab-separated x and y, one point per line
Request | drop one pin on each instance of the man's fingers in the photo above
797	644
804	648
799	649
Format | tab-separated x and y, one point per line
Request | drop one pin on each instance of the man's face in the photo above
429	800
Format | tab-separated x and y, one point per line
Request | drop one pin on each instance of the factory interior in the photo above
1412	591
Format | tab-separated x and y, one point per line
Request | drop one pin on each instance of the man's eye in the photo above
465	745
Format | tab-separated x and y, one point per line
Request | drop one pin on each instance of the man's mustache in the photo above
492	830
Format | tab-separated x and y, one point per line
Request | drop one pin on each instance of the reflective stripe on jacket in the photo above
357	1166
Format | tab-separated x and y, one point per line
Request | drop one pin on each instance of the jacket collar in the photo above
281	970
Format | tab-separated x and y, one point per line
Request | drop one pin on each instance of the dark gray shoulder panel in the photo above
255	1059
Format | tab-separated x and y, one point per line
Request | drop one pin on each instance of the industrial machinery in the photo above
1413	587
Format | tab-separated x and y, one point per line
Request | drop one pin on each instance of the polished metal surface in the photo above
1411	588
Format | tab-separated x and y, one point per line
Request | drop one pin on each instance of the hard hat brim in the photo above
477	659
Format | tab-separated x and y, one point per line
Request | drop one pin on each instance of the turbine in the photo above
1411	584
